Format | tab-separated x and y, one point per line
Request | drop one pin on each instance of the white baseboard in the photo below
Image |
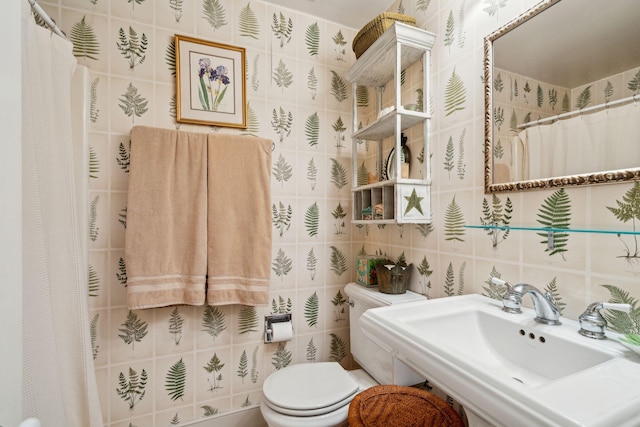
246	417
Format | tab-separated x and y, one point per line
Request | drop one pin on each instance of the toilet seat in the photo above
309	389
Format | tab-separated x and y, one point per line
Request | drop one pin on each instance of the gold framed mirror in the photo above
562	65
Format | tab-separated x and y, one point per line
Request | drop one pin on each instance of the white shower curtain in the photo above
59	380
558	149
605	140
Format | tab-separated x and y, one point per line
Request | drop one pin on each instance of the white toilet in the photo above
318	394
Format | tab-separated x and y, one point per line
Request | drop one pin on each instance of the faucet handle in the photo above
592	324
501	282
615	306
511	301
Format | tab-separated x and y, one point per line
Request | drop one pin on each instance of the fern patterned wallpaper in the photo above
451	260
172	365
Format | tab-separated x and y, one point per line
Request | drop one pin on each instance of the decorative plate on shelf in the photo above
390	165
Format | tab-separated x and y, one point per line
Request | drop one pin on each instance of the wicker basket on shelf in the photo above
374	29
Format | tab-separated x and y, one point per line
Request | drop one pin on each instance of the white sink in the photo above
509	370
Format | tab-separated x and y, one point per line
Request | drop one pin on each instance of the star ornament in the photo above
414	202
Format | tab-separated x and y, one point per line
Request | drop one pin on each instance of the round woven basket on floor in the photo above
397	406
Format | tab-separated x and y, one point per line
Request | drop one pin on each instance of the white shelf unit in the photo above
403	200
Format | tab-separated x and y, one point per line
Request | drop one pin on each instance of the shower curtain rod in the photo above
581	111
47	20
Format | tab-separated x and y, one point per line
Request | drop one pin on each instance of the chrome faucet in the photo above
593	324
546	311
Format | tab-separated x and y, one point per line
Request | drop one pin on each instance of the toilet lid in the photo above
309	387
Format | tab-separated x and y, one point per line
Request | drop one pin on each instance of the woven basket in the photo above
374	29
398	406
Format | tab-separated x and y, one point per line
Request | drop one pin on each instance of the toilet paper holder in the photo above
269	320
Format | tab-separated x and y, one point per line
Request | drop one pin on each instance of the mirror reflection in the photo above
562	88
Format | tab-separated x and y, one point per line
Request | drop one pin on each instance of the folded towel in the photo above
166	238
379	211
239	220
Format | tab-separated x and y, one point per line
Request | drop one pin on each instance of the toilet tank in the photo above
377	361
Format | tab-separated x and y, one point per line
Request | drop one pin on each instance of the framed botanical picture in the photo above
210	83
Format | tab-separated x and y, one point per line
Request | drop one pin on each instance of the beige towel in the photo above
239	220
166	237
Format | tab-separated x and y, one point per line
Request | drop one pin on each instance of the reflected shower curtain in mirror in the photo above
602	141
59	380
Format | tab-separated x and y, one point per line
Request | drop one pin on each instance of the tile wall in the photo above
176	364
314	245
452	260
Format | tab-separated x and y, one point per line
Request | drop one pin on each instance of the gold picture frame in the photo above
210	83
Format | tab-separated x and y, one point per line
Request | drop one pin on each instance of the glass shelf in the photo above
552	230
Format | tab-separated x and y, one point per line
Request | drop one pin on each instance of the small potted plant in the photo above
393	277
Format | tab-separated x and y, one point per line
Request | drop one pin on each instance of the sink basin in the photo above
509	348
507	369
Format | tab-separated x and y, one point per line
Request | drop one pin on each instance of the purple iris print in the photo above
211	95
